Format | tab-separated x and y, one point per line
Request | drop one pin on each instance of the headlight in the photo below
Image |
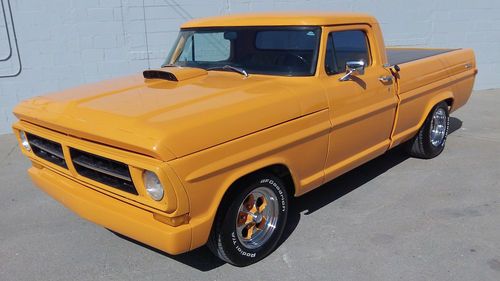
153	185
24	140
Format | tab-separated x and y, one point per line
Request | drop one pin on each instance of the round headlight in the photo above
153	185
24	141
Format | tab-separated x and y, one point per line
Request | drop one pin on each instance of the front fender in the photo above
207	175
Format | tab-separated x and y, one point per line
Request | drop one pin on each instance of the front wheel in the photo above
250	223
431	138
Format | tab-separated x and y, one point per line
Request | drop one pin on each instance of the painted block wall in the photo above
58	44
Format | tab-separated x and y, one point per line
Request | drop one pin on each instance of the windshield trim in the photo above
271	27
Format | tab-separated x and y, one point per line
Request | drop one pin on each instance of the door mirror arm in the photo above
353	68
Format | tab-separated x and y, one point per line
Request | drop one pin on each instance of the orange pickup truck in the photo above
247	111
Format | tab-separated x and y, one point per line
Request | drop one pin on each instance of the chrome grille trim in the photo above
100	170
47	150
103	170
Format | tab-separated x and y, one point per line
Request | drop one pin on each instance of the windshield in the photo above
286	51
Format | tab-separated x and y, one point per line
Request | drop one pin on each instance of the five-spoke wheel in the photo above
431	138
257	218
250	220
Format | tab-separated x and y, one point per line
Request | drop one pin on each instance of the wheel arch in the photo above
446	96
450	102
220	223
277	169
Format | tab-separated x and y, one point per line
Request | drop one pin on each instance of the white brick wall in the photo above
65	43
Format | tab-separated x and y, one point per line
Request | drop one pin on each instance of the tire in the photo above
431	138
242	232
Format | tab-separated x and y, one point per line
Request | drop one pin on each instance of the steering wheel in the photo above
301	61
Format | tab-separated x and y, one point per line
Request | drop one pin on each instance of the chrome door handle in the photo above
385	79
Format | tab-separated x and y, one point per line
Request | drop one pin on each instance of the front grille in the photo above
46	149
103	170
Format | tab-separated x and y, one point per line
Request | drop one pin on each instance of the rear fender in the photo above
446	95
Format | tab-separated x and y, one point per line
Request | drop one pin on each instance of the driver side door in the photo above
362	108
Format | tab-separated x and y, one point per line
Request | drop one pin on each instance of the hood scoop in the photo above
174	73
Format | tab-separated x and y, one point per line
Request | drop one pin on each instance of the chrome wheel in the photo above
438	127
257	217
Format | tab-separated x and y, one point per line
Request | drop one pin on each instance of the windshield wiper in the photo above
232	68
170	65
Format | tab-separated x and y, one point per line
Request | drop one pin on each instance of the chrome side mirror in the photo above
353	68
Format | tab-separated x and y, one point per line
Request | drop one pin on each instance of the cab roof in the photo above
281	19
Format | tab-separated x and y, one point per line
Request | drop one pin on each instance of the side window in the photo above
344	46
206	47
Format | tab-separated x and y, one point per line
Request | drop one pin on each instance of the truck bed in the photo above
404	55
426	77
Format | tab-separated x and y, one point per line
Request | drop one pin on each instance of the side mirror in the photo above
353	68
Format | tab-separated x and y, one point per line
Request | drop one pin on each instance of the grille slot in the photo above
103	170
46	149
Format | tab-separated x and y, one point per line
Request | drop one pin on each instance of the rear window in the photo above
351	41
286	40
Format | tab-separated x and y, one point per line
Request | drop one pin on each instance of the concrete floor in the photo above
395	218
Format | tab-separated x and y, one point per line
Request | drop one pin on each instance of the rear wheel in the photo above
431	138
250	223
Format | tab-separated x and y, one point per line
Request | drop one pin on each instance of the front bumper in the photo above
121	217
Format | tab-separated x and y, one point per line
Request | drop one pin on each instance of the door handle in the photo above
385	79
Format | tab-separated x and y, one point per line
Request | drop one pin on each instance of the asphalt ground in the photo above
394	218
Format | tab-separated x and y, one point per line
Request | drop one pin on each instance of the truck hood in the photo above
166	119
